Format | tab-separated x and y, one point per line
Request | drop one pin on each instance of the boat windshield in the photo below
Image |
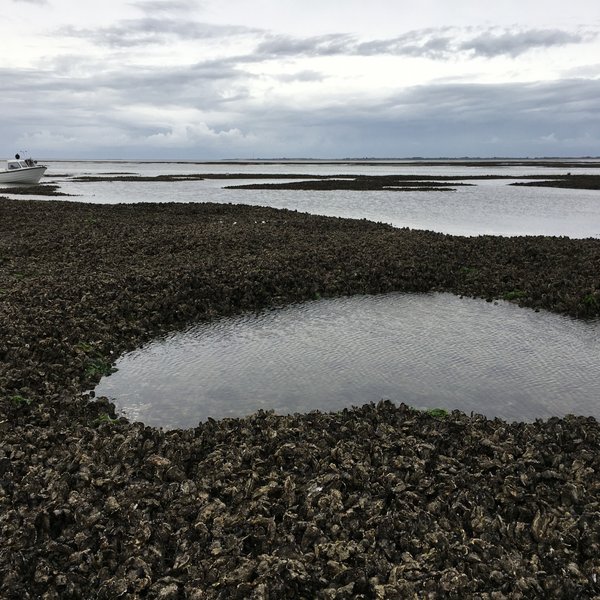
16	164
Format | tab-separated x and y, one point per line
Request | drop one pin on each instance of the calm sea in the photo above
488	207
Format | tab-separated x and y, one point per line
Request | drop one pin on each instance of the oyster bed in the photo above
374	502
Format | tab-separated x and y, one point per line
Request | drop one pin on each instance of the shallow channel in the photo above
426	350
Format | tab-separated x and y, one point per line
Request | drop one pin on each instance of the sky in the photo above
224	79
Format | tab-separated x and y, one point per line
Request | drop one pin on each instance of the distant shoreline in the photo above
572	162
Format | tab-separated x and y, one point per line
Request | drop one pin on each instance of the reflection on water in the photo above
433	350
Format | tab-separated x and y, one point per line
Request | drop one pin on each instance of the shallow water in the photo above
487	207
426	350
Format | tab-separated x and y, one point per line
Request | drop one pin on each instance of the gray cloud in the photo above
165	21
39	2
306	75
105	107
206	85
551	118
591	71
113	114
166	6
427	43
324	45
152	30
490	44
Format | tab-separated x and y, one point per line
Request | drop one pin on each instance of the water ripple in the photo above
428	350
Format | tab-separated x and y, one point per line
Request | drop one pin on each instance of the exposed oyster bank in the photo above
377	502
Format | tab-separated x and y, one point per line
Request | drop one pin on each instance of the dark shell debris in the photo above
380	501
580	182
399	183
41	189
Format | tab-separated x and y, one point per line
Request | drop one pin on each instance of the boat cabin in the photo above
11	165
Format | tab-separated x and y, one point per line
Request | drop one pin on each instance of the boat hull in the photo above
26	175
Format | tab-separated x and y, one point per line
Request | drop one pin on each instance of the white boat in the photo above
21	170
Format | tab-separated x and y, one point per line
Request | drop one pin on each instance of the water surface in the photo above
427	350
488	207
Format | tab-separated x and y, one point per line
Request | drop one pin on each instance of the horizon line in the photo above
330	159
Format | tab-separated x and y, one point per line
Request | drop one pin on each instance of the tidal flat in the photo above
378	501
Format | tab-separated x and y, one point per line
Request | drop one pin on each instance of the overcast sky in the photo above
210	79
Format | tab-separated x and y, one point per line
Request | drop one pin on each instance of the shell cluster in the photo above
375	502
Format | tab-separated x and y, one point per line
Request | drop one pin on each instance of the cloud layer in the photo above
434	44
165	85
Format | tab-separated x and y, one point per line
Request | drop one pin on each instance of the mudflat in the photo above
377	501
